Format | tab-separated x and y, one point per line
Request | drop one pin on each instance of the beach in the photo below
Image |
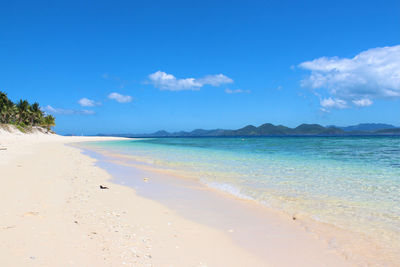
200	133
53	213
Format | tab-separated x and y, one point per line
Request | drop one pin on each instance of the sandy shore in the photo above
53	213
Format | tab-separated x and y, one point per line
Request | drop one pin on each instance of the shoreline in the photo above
274	228
62	218
356	248
54	214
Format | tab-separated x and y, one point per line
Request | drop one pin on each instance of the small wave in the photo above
228	188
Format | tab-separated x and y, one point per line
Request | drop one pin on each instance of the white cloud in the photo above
236	91
120	98
365	102
165	81
374	73
215	80
333	103
52	110
85	102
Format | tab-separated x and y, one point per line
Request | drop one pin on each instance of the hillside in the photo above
266	129
269	129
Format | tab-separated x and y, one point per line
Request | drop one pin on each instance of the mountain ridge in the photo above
269	129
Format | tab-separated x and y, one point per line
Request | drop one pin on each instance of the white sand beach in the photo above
200	133
53	213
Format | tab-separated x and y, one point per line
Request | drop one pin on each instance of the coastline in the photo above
250	223
54	213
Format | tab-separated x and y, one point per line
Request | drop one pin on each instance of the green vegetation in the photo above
266	129
269	129
49	121
23	115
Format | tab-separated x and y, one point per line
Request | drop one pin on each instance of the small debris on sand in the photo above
103	187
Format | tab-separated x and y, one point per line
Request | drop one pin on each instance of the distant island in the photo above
269	129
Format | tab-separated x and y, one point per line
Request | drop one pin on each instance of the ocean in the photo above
350	182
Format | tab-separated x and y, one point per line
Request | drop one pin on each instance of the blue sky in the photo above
142	66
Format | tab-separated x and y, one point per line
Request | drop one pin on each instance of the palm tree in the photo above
3	107
3	97
49	121
36	114
8	112
7	109
23	111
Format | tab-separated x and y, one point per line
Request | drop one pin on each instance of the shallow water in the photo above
350	182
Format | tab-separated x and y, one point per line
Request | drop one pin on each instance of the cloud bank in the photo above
372	74
120	98
165	81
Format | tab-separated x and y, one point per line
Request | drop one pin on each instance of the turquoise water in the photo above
350	182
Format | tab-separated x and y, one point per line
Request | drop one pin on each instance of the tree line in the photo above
24	114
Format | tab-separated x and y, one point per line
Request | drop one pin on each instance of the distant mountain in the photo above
269	129
367	127
266	129
161	133
247	130
316	129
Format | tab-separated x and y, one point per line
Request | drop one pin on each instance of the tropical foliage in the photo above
23	113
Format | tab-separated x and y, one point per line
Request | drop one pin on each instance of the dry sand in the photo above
53	213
